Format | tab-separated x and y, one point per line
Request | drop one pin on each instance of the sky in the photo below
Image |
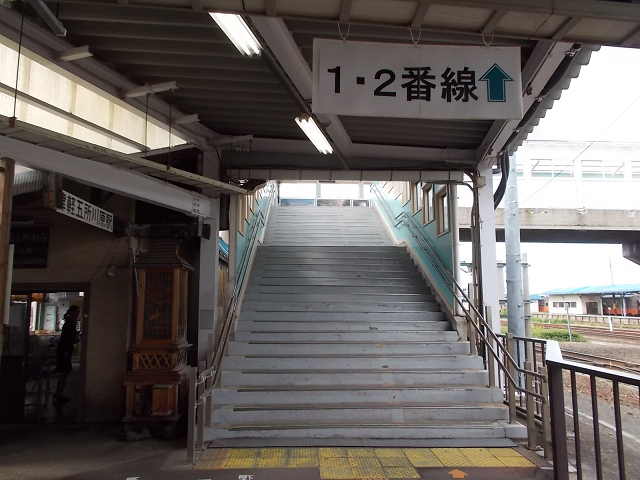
602	104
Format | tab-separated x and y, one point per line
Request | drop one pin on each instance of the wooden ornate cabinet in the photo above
156	386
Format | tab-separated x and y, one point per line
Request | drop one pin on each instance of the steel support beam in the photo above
107	177
276	34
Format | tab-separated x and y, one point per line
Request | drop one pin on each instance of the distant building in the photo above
539	303
599	300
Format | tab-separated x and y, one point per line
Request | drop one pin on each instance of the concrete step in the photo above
274	280
345	348
357	394
309	316
368	412
371	337
341	307
352	377
470	433
288	326
377	298
391	267
268	253
313	261
388	276
294	288
314	249
366	364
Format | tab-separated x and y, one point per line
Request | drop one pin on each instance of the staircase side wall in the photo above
247	209
442	244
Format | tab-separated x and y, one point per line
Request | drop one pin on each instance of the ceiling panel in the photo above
156	41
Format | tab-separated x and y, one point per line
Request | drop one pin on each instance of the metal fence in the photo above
565	401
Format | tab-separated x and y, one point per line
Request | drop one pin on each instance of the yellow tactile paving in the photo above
422	457
240	463
332	473
367	472
360	452
361	463
481	457
302	462
451	457
388	452
516	462
401	472
395	461
364	462
271	462
303	452
335	462
510	457
332	452
273	452
504	452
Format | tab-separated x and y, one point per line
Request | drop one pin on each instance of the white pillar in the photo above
488	246
455	240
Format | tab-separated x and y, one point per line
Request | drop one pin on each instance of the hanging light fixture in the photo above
238	32
315	134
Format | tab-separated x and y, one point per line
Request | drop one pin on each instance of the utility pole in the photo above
515	300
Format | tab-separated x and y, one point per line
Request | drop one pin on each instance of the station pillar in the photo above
487	227
208	267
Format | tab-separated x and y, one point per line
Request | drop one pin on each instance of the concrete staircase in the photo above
340	337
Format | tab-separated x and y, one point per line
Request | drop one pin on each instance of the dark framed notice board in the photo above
30	245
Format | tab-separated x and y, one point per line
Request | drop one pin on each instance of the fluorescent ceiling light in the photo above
238	32
311	130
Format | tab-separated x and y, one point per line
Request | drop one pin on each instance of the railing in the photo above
206	380
499	355
609	320
591	456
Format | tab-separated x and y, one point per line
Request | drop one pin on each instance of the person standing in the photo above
68	338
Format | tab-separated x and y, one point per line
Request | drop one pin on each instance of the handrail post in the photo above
200	411
191	414
209	380
510	385
491	348
473	342
531	419
546	418
558	423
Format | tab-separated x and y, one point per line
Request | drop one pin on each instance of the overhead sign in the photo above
86	212
409	81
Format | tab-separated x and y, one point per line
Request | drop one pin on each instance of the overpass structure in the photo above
573	192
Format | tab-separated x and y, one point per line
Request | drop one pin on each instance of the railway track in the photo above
632	335
596	360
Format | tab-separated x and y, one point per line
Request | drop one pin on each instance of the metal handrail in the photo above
257	221
460	297
200	379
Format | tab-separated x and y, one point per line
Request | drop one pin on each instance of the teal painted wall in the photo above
442	244
258	206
